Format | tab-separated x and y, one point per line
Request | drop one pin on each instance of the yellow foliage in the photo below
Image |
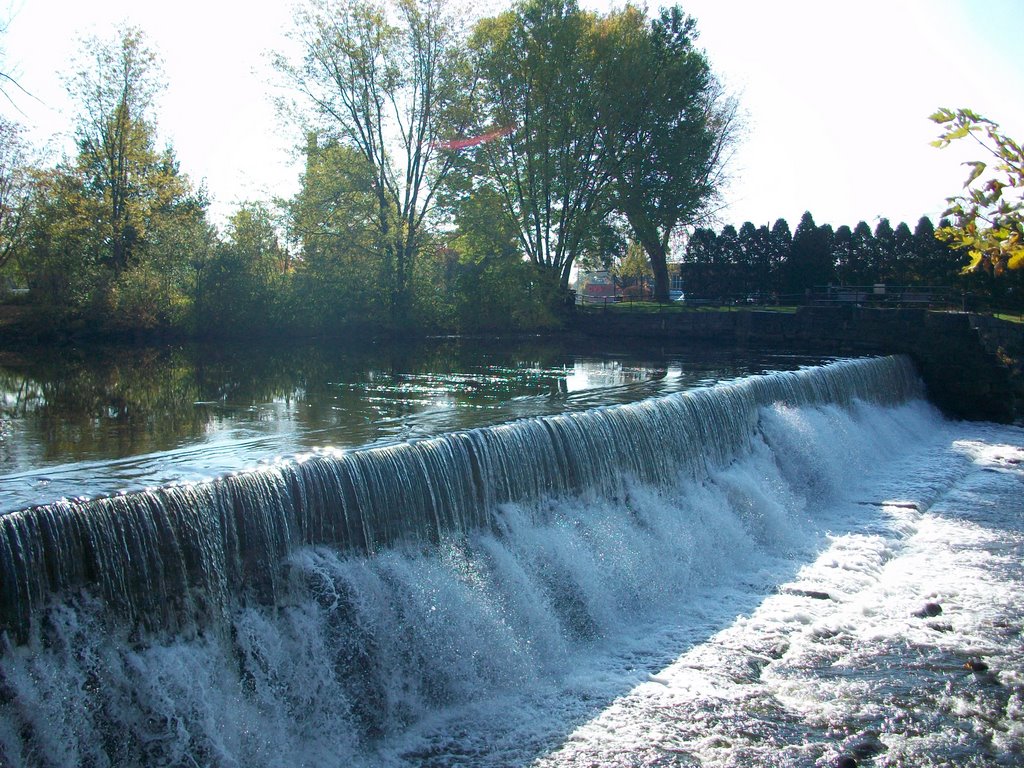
988	217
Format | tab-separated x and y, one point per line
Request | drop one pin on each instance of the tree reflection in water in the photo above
88	421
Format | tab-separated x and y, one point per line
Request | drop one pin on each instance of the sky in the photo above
835	95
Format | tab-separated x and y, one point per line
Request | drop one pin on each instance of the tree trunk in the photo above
658	255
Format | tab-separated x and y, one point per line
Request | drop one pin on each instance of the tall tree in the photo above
700	262
842	252
781	247
884	253
810	263
903	254
536	88
935	262
14	190
114	87
334	218
862	265
664	123
120	217
389	81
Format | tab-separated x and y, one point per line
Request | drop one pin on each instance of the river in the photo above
778	569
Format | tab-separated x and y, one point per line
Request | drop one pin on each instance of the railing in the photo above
879	295
892	296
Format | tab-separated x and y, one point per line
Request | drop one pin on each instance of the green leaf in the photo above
958	133
977	167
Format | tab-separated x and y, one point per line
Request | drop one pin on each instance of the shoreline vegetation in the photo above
459	175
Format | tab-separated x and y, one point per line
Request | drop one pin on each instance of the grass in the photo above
650	307
1017	318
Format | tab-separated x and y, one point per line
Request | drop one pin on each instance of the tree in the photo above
536	84
664	123
755	249
988	218
884	252
935	262
334	218
389	82
118	229
780	248
700	262
114	86
862	266
14	190
842	253
903	254
633	269
810	262
242	285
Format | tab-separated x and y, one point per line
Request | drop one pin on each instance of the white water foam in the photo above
761	615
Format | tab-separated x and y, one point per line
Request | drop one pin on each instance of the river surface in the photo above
824	569
77	423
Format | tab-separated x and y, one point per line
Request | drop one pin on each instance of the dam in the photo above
538	591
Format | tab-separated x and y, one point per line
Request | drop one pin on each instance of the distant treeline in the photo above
456	174
777	264
456	171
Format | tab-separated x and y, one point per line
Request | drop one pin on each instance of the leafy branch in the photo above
988	217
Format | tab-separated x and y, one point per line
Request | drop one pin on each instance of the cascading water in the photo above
173	556
356	607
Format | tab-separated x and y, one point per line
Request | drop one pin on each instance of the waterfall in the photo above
174	558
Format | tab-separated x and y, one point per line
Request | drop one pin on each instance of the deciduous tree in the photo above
118	228
388	81
536	71
14	190
114	87
665	125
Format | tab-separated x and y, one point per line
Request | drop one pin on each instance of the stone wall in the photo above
966	377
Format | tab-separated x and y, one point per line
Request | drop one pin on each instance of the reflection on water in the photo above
93	421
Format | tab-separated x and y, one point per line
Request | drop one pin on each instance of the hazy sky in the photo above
836	94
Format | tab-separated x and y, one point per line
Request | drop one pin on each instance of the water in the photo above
753	595
82	423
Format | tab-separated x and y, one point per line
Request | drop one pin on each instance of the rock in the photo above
976	665
928	610
811	593
867	746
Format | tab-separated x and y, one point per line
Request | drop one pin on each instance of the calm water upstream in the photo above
85	422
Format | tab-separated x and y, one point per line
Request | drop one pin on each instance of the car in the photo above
676	296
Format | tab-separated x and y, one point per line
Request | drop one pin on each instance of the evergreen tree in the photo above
884	254
903	255
935	262
861	270
780	249
748	259
810	264
702	253
842	253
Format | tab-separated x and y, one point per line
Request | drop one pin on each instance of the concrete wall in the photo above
966	378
